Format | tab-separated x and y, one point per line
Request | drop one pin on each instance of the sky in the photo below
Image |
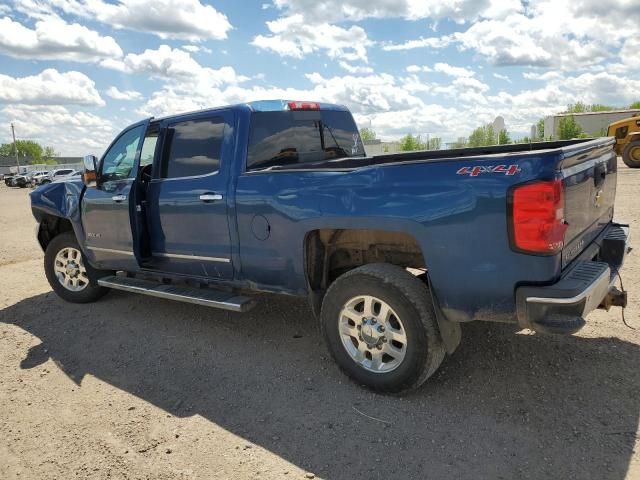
73	73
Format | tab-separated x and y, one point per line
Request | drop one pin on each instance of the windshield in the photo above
284	138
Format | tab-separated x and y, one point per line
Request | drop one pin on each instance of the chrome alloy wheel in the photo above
372	334
70	270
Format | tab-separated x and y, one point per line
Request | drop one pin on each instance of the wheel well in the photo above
50	227
331	252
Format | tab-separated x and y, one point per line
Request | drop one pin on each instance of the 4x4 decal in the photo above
477	170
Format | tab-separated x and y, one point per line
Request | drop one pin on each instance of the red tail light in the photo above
304	106
538	217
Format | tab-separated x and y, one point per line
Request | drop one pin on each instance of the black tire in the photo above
92	291
409	297
631	154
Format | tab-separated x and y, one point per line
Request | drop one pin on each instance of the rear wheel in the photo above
380	326
68	273
631	154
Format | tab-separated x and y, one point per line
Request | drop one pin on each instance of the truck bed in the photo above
435	155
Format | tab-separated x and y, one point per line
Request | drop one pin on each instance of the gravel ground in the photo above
138	388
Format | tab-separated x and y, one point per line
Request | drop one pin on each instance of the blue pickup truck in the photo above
394	252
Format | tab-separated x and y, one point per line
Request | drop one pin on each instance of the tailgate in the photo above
589	173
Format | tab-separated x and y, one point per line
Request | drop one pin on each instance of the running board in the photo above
200	296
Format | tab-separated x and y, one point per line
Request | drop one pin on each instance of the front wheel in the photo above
380	326
70	276
631	154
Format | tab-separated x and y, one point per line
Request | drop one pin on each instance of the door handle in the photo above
210	197
119	198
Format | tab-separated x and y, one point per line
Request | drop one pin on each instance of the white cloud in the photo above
116	94
356	69
178	19
568	35
418	68
431	42
502	77
453	71
71	133
294	37
458	10
176	65
50	87
196	49
53	38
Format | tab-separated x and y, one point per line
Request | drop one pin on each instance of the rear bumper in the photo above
560	308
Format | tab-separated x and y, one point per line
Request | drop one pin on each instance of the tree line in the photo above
29	152
408	143
485	135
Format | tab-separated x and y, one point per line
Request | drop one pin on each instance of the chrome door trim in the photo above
110	250
191	257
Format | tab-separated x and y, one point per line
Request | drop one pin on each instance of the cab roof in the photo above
263	106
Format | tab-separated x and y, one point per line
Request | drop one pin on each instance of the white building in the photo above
592	123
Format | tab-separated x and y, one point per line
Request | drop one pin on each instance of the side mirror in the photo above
90	174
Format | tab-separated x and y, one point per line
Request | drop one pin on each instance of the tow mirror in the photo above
90	174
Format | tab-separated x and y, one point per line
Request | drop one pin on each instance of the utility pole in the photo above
15	148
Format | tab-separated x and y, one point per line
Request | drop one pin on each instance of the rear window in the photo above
287	138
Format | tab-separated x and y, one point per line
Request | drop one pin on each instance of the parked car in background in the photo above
21	180
38	177
75	176
56	174
8	178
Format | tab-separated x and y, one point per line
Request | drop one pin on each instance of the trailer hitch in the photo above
614	298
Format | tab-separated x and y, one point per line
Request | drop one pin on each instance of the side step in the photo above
200	296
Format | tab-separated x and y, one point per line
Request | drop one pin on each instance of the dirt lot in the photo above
136	388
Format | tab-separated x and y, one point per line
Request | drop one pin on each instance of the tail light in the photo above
537	216
304	106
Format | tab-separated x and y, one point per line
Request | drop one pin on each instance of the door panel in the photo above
106	208
188	217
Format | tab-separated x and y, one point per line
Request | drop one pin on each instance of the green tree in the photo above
581	107
596	107
503	137
568	128
476	139
635	105
434	143
410	143
578	107
460	143
540	129
49	153
367	134
26	148
482	137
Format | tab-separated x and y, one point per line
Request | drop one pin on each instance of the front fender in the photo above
59	200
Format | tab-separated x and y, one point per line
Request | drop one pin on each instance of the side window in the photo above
149	146
118	161
193	148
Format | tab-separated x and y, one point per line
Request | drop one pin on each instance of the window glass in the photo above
149	146
285	138
118	161
193	148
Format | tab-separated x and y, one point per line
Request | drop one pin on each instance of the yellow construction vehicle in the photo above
627	133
